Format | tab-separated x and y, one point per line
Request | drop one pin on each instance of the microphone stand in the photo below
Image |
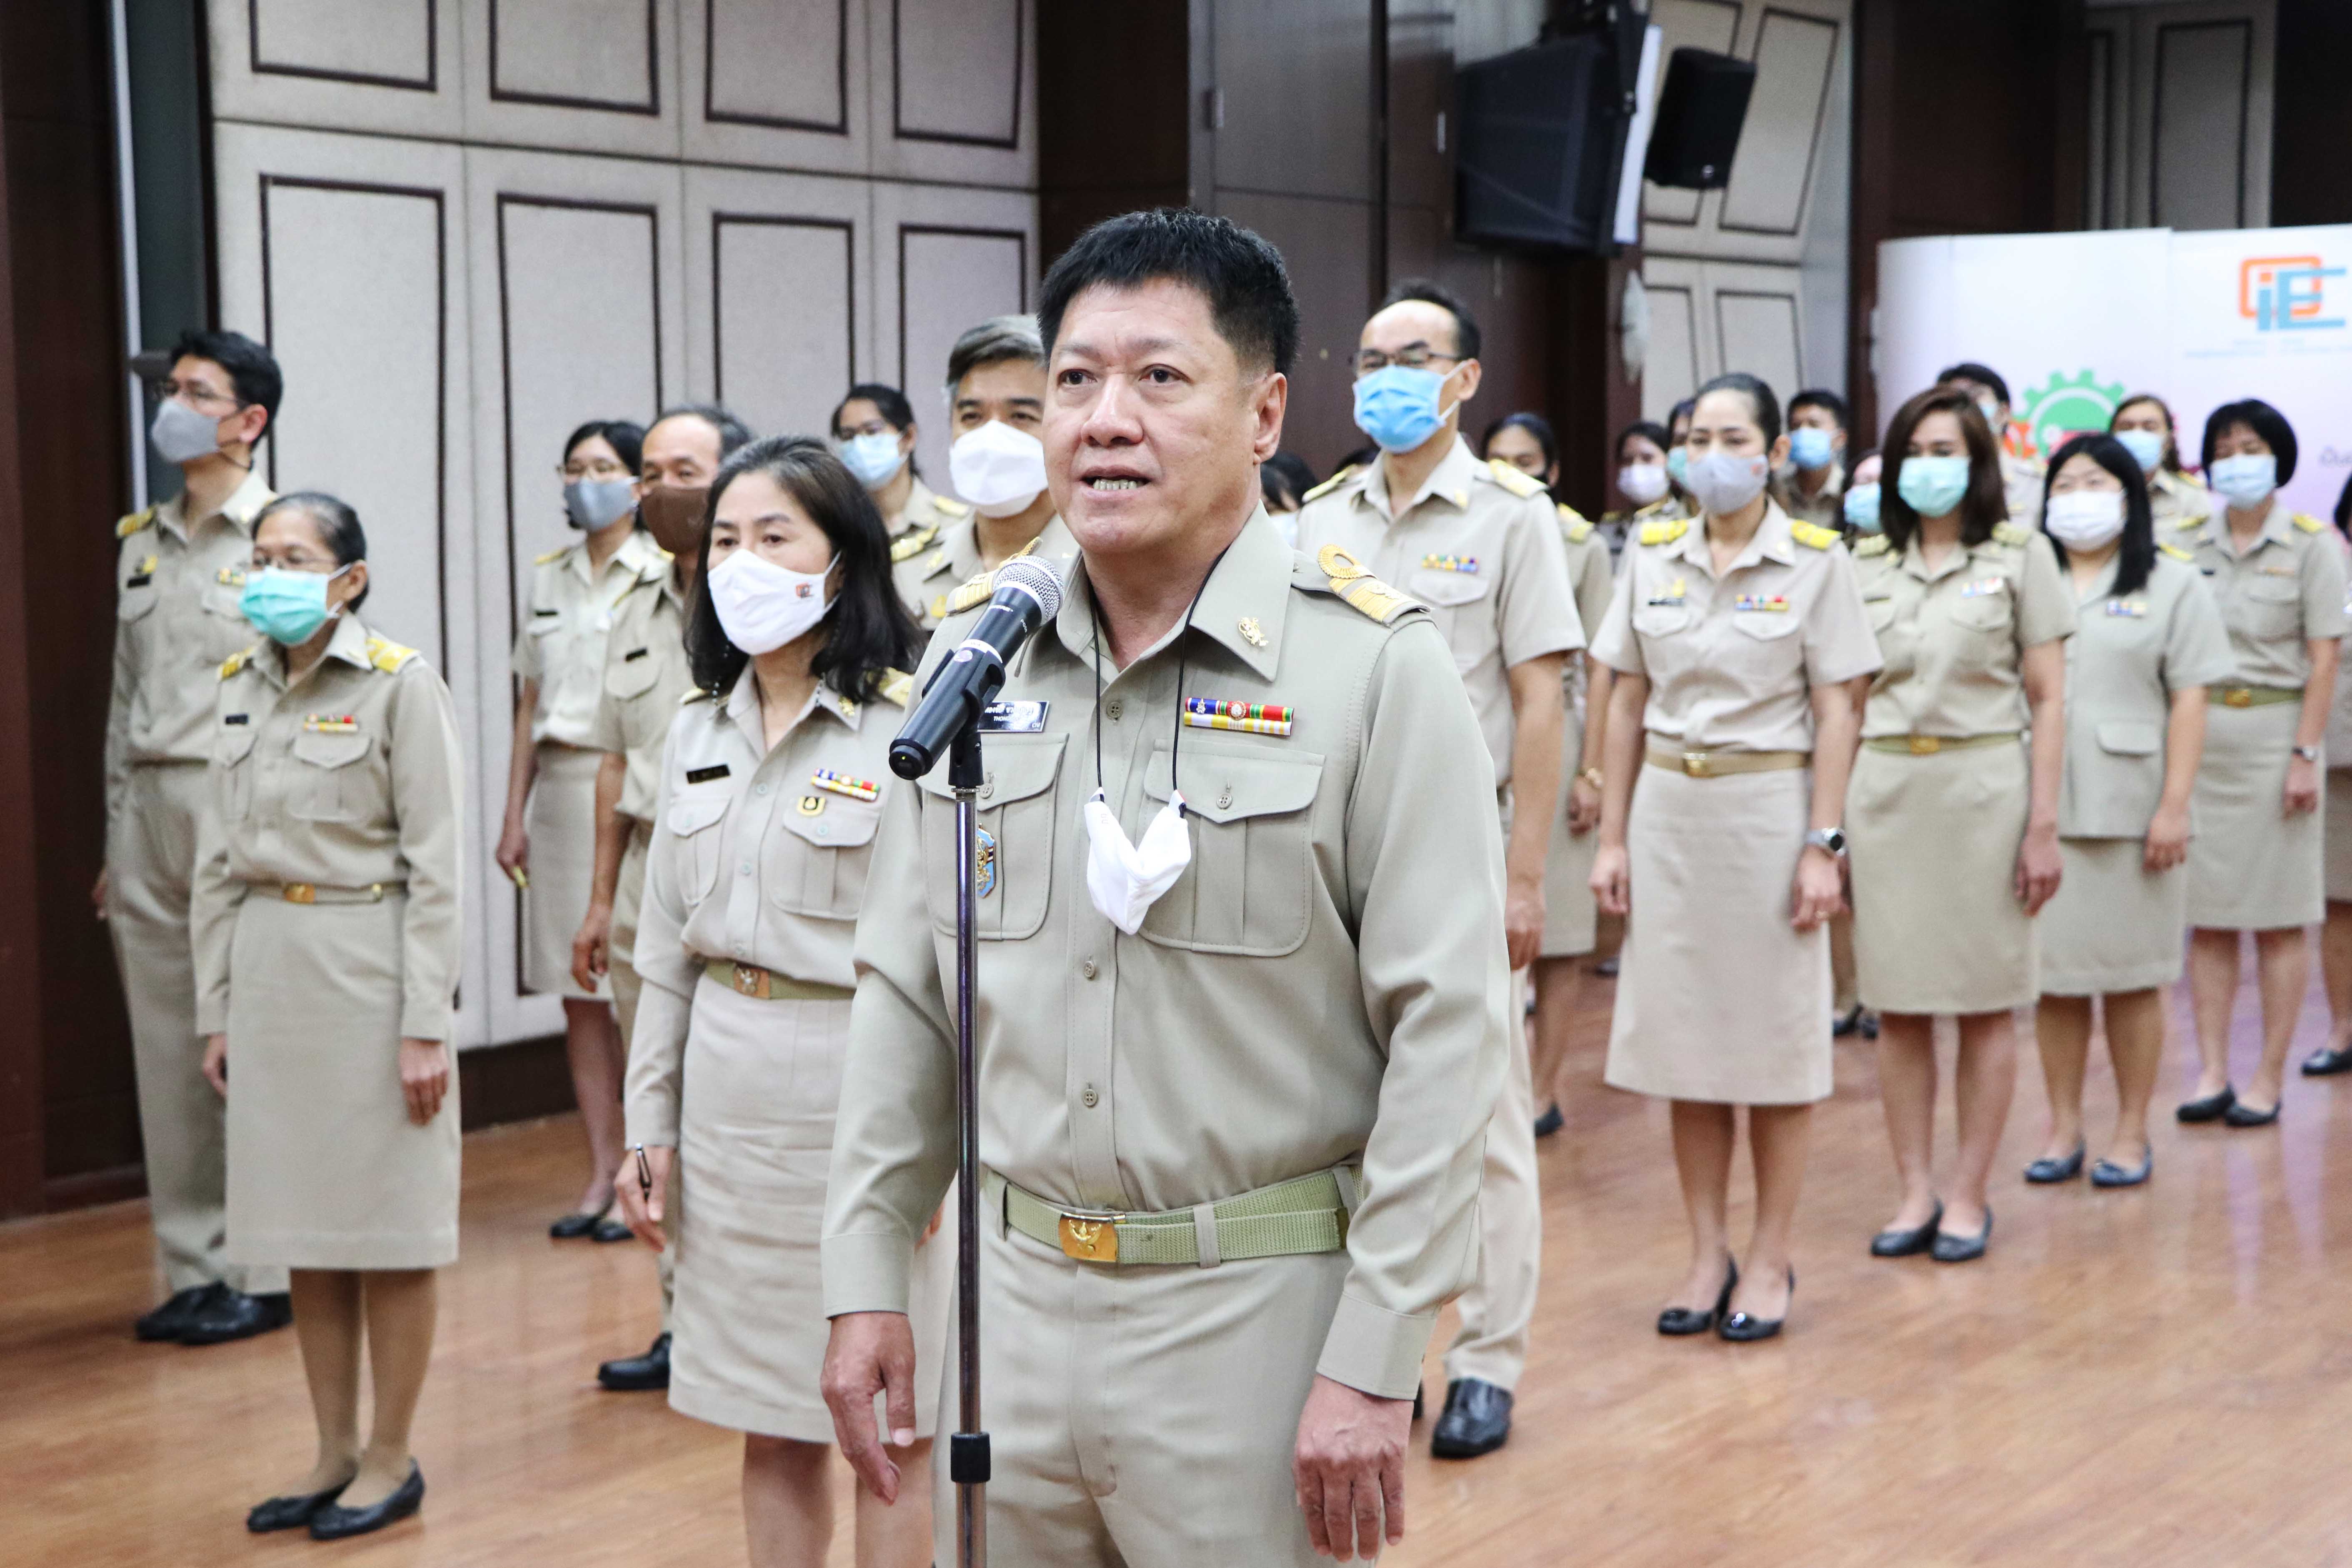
968	1458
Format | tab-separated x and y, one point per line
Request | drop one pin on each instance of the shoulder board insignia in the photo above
951	508
237	661
134	522
2010	533
551	555
1574	523
895	687
387	656
1663	533
909	545
2308	523
2187	523
1364	593
973	590
2177	552
1327	486
1813	535
1514	479
1873	545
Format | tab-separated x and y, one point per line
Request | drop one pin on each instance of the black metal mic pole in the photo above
967	1465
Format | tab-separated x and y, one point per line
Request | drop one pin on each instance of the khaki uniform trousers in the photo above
621	973
151	859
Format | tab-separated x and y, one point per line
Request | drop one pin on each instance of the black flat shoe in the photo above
573	1226
1745	1327
1476	1420
611	1230
2326	1063
2044	1171
2212	1108
1949	1248
170	1320
1417	1411
638	1374
335	1521
1550	1122
2107	1173
1678	1320
1908	1243
234	1316
1606	969
291	1512
1848	1023
2242	1115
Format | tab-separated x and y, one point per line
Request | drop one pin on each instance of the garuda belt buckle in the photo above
1090	1240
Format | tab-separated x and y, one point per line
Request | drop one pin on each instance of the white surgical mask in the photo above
2246	481
873	457
1641	483
2086	520
997	468
180	434
1725	481
762	605
1123	879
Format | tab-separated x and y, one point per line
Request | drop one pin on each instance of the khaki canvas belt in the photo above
2252	696
1306	1214
1928	745
1717	764
311	893
767	985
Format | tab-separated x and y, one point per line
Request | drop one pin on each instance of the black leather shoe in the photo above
236	1316
334	1521
1848	1023
289	1513
2107	1173
1606	969
1950	1248
2243	1115
2212	1108
638	1374
1675	1321
1908	1243
1417	1411
171	1320
1744	1328
611	1230
2044	1171
573	1226
1476	1420
1870	1025
2326	1063
1550	1122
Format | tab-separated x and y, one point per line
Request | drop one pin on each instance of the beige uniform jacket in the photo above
347	780
1953	638
1480	546
2127	657
646	676
2285	591
1592	582
2021	486
1825	510
176	616
1732	663
1325	984
927	513
941	576
565	623
758	858
2176	499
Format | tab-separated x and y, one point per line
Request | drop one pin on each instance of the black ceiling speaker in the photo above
1700	112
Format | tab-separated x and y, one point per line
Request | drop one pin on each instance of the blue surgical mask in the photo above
285	607
1861	507
1991	412
1809	449
2146	447
1678	465
2247	481
873	457
1396	405
1932	486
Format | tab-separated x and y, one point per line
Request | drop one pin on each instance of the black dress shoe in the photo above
1678	1321
611	1230
1417	1411
291	1512
237	1316
334	1521
573	1226
2326	1063
2107	1173
1744	1328
1476	1420
638	1374
1848	1023
1606	969
1870	1025
2243	1115
1550	1122
171	1320
2212	1108
2044	1171
1950	1248
1908	1243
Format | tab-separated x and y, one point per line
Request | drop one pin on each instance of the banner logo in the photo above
2285	293
2063	406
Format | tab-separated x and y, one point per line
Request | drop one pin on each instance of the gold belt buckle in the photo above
2237	697
299	893
1925	745
1698	765
1090	1238
748	978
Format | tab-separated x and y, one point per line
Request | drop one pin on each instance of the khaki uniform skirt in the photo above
325	1170
1936	925
2250	866
562	821
2112	925
2336	814
761	1083
1718	997
1570	918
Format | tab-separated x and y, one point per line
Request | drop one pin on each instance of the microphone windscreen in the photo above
1035	577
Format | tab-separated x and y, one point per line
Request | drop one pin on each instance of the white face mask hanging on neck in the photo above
1126	879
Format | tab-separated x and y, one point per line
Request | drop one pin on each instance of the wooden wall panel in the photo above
362	65
365	43
574	75
776	83
782	297
952	94
949	279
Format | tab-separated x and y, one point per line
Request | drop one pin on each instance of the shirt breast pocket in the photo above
821	867
693	821
1019	815
1767	647
233	771
327	787
2272	609
1249	888
633	675
1463	605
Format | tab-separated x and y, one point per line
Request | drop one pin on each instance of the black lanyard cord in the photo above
1176	740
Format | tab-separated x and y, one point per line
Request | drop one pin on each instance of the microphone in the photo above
1028	594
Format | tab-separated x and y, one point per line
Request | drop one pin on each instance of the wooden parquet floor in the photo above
2152	1377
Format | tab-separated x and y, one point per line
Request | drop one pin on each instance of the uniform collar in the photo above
1450	482
1915	559
638	551
1247	590
2104	585
743	708
244	504
637	554
1771	542
349	642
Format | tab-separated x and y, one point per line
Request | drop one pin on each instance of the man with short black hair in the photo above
1811	487
2021	477
179	581
1230	1115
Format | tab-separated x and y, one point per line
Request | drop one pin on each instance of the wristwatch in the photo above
1830	838
2308	753
1592	776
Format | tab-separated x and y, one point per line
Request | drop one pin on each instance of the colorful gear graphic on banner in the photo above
2068	406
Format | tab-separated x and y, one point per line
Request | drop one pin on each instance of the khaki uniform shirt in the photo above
1326	982
561	644
646	676
1592	582
349	778
1825	510
2127	657
2285	591
927	513
942	577
2176	499
1953	638
758	857
1732	663
176	616
2021	486
1480	546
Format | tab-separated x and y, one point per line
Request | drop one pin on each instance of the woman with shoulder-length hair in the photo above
1954	821
2258	863
771	788
2143	422
2148	642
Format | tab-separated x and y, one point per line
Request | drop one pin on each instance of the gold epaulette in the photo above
387	656
1327	486
551	555
1364	593
1574	524
2186	523
1514	479
1664	533
896	685
1873	545
1813	534
2308	523
237	661
2177	552
908	545
973	590
2010	533
134	522
951	508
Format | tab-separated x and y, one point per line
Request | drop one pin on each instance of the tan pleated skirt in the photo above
1571	917
2336	831
563	818
1718	997
761	1081
2250	866
1936	925
325	1170
2112	925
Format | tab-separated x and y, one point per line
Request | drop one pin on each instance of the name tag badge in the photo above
1983	588
634	653
1776	603
2130	609
1674	594
236	718
704	775
1026	716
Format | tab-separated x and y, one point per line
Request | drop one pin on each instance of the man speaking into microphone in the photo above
1241	993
